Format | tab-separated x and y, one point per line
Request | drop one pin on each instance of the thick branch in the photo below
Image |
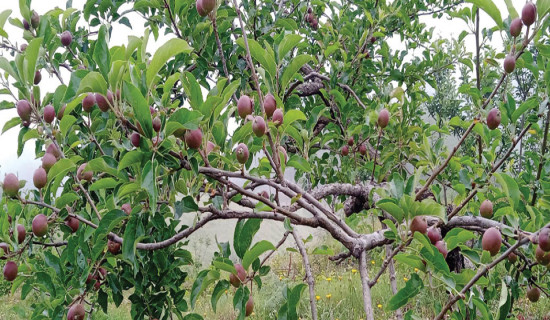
309	276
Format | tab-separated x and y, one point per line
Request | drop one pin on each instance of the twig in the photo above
543	152
367	300
309	277
167	6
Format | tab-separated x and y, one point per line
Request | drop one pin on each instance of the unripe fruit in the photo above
76	312
533	294
283	151
26	24
88	102
345	151
249	306
442	247
24	110
544	239
61	112
72	223
258	126
40	178
351	141
242	153
200	9
193	138
102	102
240	277
529	14
152	110
40	225
26	123
363	149
135	139
127	208
37	77
210	146
244	106
515	27
542	256
156	124
66	38
23	47
493	118
48	161
113	247
97	285
512	257
486	209
314	23
208	5
383	118
278	117
21	233
84	175
264	194
35	20
509	63
11	185
491	240
419	224
270	105
10	271
53	150
4	248
102	272
49	113
434	234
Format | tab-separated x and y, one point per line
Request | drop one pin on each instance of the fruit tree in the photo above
302	113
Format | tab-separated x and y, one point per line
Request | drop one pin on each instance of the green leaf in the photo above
491	9
141	108
31	57
504	303
203	280
291	116
244	232
163	54
101	53
219	290
292	68
130	241
390	207
299	163
192	89
130	158
183	118
225	265
259	54
543	6
60	167
289	42
411	289
510	188
66	123
149	182
11	123
92	82
511	10
482	309
527	105
193	316
255	252
108	222
105	183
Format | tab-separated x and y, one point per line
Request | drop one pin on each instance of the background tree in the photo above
132	140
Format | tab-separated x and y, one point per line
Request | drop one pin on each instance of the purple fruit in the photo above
49	113
363	149
509	63
544	239
88	102
21	233
493	118
258	126
24	110
135	139
245	106
37	77
84	175
345	150
61	112
157	124
127	208
76	312
72	223
486	209
278	117
383	118
442	247
10	271
48	160
113	247
66	38
419	224
242	153
23	47
208	5
491	240
11	185
269	104
26	24
515	27
40	178
529	13
52	149
40	225
193	138
102	102
200	8
434	234
35	19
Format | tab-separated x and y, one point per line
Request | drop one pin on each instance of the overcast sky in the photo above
26	164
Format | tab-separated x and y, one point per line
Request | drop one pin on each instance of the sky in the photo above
25	165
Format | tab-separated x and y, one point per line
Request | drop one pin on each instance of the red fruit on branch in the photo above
84	175
493	118
258	126
88	102
237	279
193	138
383	118
10	271
24	110
127	208
491	241
135	139
270	105
442	248
72	223
21	233
40	225
419	224
11	185
434	234
529	13
509	63
40	178
37	77
486	209
533	294
345	150
48	160
66	38
242	153
245	106
76	312
113	247
49	113
515	27
278	117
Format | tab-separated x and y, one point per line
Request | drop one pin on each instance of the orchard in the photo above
351	121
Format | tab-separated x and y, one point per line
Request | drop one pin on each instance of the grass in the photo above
338	290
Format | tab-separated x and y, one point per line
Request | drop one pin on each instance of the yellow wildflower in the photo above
532	131
317	298
329	279
339	277
329	296
416	270
372	261
379	306
353	270
406	279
